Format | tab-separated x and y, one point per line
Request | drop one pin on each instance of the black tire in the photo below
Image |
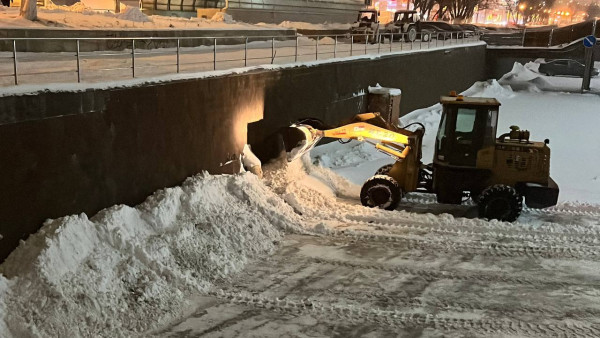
384	170
501	202
411	34
381	191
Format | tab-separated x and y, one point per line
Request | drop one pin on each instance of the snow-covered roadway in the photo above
366	272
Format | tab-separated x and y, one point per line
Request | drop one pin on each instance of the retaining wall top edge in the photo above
35	89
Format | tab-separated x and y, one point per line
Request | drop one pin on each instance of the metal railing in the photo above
108	59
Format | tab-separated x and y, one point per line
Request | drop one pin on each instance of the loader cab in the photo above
467	132
368	16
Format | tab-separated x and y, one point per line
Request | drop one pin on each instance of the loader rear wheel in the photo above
501	202
384	170
381	191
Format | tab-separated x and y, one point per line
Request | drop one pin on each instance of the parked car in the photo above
471	29
442	30
564	67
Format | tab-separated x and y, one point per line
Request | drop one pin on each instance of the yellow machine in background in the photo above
469	160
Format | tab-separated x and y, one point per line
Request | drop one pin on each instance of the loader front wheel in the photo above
384	170
501	202
381	191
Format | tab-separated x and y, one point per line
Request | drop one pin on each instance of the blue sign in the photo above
589	41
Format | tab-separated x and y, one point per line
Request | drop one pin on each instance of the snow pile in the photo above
378	89
312	26
126	269
327	41
133	14
78	7
491	88
222	17
3	290
353	155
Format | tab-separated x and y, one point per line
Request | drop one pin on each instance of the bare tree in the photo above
462	10
28	9
424	6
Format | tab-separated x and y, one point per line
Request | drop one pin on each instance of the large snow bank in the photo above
133	14
127	269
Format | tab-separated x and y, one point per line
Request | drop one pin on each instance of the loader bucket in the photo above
300	139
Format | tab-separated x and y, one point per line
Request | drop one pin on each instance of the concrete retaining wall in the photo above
65	153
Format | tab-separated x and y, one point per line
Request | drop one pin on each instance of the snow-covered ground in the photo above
194	260
79	16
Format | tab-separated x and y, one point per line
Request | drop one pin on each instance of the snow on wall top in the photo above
377	89
80	87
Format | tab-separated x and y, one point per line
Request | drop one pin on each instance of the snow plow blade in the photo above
300	139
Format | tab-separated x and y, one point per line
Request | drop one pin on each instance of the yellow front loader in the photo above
469	160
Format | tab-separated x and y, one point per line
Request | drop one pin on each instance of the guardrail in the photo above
215	53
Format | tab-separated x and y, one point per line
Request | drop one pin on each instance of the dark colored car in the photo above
564	67
442	30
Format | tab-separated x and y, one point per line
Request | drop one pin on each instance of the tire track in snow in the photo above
555	210
400	320
436	274
448	245
540	237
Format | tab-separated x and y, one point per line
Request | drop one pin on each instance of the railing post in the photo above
272	49
78	64
366	42
523	39
379	44
15	62
351	44
401	41
391	41
317	49
246	52
296	52
437	38
215	54
133	58
178	53
550	37
335	47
